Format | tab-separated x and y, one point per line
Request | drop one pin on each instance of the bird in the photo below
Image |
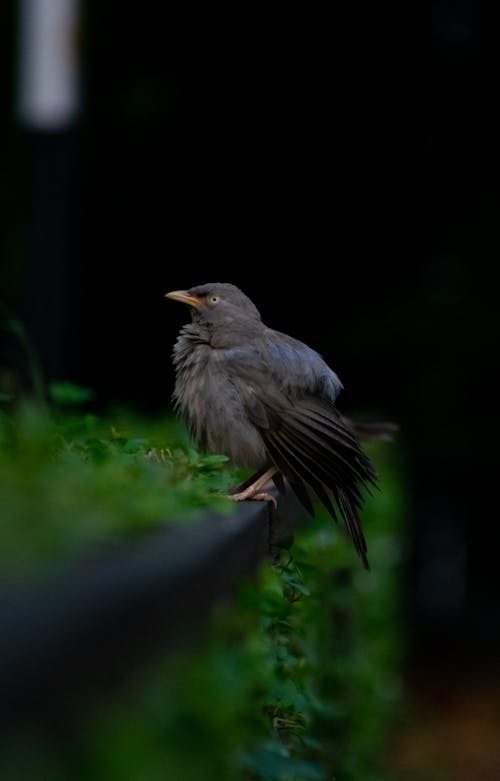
269	403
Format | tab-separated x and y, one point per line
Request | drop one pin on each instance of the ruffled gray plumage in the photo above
262	397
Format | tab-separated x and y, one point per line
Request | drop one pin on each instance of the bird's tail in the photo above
365	430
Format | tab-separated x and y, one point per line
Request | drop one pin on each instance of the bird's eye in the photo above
214	299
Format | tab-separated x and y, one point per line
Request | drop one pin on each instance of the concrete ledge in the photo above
85	627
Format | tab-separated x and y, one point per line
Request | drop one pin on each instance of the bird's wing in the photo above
298	368
312	445
308	441
293	366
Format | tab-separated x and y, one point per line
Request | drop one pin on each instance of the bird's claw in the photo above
257	497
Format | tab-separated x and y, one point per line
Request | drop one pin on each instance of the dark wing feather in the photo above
318	462
334	462
290	400
279	482
293	465
312	446
293	477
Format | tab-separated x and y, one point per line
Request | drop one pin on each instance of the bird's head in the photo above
216	303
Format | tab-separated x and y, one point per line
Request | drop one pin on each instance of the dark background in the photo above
344	171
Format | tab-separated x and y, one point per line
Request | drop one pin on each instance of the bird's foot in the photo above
252	489
249	496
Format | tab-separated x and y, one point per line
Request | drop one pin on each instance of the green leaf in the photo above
297	585
135	444
67	393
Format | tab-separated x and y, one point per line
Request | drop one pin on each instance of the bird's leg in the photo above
253	490
237	489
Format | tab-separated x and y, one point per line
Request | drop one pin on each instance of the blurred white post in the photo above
49	77
48	106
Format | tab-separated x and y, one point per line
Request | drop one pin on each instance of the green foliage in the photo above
70	394
295	678
71	480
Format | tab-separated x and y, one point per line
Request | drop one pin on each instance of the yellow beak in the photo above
184	297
